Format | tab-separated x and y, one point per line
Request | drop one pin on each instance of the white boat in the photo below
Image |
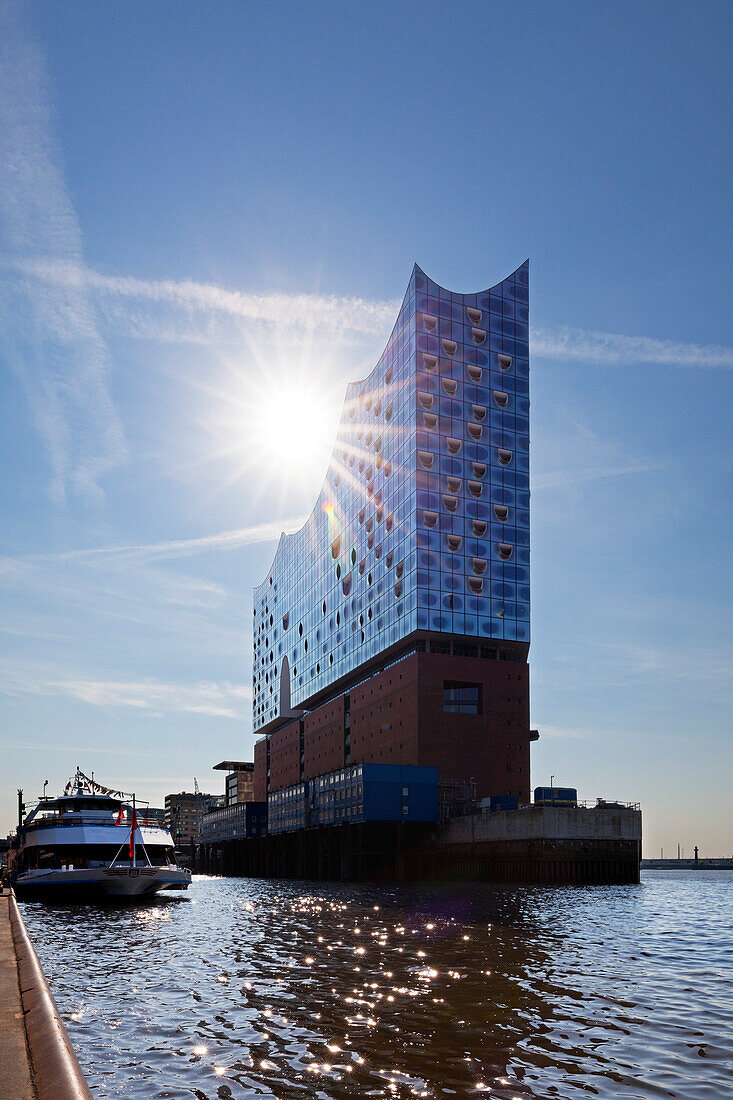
92	840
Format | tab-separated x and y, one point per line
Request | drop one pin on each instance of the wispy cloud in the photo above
662	663
561	479
120	749
144	553
607	349
49	330
325	312
120	298
180	548
601	665
209	699
133	586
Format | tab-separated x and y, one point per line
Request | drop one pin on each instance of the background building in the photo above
393	628
233	822
183	813
237	815
240	780
4	849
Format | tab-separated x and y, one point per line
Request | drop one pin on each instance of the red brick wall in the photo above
285	756
323	738
384	716
490	747
397	717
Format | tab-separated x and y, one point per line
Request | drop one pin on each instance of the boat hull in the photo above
113	882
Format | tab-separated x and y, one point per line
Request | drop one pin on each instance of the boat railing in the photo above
71	819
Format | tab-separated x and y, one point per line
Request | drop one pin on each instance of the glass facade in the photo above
289	809
422	525
234	822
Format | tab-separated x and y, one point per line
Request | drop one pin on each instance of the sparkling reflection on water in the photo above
248	987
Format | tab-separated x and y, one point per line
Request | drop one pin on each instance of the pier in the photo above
545	845
38	1061
535	844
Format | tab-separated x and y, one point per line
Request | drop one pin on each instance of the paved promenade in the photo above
15	1074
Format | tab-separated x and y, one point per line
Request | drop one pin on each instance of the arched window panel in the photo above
477	510
451	564
451	412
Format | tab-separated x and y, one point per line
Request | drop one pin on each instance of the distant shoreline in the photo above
721	864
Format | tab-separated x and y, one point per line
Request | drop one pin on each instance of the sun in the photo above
272	419
294	431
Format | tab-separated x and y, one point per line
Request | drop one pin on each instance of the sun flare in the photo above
273	424
295	431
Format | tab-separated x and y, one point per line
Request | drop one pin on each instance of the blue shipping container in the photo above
400	792
555	796
503	802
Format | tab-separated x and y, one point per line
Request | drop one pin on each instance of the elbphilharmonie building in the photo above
394	626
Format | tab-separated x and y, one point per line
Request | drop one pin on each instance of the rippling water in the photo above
247	987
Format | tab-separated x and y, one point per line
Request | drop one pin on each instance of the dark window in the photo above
461	698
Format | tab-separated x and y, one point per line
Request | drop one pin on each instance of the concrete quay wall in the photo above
38	1061
544	845
545	823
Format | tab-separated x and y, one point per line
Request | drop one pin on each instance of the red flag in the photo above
120	816
133	827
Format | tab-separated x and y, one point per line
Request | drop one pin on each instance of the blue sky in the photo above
204	205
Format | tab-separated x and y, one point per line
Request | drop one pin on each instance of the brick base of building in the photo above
403	714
